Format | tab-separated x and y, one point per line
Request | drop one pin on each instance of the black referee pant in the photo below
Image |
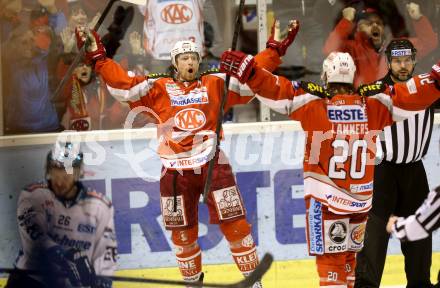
399	189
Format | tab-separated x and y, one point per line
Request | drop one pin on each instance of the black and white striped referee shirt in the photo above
423	222
408	140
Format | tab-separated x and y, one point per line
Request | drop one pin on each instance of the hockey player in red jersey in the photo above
341	128
186	107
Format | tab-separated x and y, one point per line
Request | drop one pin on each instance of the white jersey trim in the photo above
235	85
288	106
208	144
132	94
245	252
190	257
337	201
191	162
400	114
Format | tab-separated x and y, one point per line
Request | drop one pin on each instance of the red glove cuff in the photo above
91	56
281	46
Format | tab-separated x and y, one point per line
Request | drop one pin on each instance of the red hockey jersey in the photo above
186	112
341	131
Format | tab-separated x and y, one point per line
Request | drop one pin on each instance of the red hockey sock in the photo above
350	267
332	270
190	264
245	257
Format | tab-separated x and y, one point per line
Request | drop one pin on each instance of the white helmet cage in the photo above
64	154
184	47
338	67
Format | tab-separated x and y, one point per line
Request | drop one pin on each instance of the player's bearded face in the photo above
187	66
402	67
63	183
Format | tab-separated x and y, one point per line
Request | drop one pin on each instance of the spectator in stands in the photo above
88	104
9	17
304	55
77	17
167	22
28	70
136	57
209	61
369	39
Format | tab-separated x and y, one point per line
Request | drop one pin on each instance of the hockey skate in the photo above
257	283
198	281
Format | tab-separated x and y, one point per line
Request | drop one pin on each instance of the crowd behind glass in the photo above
38	44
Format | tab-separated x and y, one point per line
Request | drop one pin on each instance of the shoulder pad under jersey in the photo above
34	186
210	71
371	89
314	89
94	194
158	75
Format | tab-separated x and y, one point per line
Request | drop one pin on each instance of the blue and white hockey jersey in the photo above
85	223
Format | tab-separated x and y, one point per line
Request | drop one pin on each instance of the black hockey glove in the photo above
102	282
73	265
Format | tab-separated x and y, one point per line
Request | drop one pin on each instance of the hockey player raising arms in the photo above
186	106
66	230
341	127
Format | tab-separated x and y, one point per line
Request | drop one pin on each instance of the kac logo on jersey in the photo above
346	113
190	119
176	14
82	124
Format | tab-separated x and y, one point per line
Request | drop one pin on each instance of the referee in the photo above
421	224
400	183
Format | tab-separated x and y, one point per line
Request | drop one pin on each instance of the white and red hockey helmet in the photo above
185	46
338	67
64	154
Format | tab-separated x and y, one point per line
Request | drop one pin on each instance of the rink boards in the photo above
267	159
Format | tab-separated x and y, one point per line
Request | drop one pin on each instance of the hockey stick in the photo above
81	51
222	105
255	276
